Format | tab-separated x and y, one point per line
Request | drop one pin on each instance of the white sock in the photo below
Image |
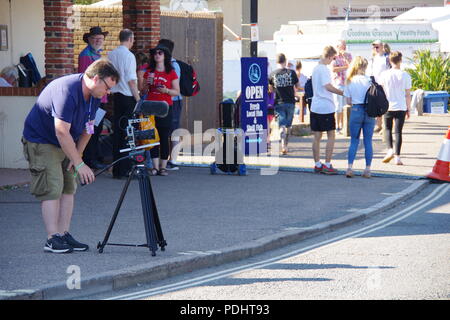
328	164
319	164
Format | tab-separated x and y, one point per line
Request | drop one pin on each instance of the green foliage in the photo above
431	72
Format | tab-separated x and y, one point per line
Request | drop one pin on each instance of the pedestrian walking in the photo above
339	66
126	95
379	64
55	134
397	86
357	84
283	81
322	118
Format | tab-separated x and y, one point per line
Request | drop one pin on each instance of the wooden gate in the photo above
198	39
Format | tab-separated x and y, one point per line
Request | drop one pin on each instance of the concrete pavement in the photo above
206	219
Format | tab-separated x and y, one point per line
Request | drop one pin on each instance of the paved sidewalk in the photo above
422	139
206	219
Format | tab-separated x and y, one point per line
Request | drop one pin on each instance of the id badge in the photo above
89	127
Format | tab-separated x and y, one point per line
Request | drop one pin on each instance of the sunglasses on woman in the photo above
159	52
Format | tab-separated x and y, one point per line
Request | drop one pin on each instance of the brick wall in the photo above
108	18
143	17
58	38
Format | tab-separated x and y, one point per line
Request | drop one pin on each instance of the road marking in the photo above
433	196
204	253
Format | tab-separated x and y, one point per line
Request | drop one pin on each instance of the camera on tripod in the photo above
143	108
153	230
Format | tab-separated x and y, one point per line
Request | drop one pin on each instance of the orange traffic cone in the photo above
441	170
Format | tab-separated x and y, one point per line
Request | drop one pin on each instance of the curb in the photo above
125	278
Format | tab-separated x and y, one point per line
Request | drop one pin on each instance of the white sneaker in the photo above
171	166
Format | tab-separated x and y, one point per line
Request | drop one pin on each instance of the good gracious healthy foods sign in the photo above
392	33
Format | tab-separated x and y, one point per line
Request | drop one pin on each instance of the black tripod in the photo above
152	225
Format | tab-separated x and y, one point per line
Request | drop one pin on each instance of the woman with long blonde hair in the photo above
355	90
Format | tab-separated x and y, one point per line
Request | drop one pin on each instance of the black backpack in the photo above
309	92
28	62
189	85
375	101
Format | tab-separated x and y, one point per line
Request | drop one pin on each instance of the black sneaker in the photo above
77	246
171	166
56	244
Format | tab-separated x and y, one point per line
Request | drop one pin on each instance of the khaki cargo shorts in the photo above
49	177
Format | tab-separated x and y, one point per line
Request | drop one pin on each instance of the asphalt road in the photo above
403	253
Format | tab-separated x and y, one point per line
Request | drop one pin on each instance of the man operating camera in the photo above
55	134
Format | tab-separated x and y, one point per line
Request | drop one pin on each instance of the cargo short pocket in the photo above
39	185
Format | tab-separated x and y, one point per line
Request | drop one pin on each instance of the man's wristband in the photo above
78	167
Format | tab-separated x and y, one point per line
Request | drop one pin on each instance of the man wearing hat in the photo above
95	39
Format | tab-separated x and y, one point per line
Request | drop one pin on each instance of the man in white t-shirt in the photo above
322	110
126	95
397	86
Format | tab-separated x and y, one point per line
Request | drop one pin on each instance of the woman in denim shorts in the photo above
355	90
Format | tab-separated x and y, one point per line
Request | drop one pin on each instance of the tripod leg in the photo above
146	210
159	234
100	246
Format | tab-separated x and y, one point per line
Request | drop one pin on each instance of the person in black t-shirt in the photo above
283	82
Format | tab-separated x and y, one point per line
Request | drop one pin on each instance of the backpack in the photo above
28	62
309	92
375	101
189	85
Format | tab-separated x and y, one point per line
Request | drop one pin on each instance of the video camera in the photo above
143	108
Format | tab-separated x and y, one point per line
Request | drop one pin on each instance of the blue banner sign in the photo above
254	104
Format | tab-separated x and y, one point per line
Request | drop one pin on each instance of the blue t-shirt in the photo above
62	99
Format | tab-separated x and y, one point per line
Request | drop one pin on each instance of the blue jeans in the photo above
360	120
285	114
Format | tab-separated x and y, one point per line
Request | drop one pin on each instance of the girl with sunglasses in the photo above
163	84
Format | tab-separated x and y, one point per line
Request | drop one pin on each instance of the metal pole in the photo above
249	19
254	21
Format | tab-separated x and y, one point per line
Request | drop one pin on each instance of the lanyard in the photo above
89	111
